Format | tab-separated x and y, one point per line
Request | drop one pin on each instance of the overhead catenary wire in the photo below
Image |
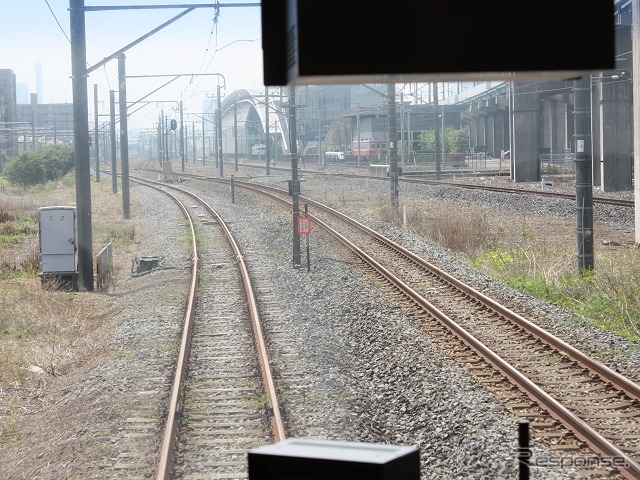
57	21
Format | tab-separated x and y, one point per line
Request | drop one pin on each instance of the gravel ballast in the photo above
350	364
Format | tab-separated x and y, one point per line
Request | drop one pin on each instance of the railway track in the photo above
545	193
596	407
471	186
223	397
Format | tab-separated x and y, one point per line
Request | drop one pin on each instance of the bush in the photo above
33	168
26	170
57	161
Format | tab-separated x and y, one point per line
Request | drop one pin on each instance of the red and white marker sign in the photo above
304	225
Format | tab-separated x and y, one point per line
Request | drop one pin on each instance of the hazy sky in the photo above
200	42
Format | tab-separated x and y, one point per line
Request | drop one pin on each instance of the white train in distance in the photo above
333	157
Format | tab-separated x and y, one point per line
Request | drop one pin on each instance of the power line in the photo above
56	19
67	37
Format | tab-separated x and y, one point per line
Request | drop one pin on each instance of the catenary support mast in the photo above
81	143
584	173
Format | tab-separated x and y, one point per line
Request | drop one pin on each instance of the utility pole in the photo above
203	143
635	38
295	183
410	139
186	143
393	144
165	136
124	137
235	132
220	133
81	143
436	132
402	157
215	138
161	136
267	133
443	137
320	156
34	110
95	123
358	131
584	174
182	135
193	132
114	159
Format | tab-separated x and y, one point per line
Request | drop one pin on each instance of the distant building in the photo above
48	116
7	96
323	103
51	123
8	114
39	90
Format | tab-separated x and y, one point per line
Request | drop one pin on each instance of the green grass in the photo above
608	296
14	230
6	240
10	428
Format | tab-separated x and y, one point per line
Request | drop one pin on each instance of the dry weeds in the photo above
48	336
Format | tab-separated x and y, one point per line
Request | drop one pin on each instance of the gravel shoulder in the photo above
368	376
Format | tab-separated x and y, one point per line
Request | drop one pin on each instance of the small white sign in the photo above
580	146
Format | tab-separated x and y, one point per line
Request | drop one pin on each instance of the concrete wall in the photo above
616	135
525	151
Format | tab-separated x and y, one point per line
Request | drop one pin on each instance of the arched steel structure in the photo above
244	115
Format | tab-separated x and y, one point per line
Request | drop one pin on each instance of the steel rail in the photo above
608	375
584	432
568	196
581	429
277	421
624	384
490	188
167	448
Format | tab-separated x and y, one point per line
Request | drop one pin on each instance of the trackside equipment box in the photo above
58	252
302	459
